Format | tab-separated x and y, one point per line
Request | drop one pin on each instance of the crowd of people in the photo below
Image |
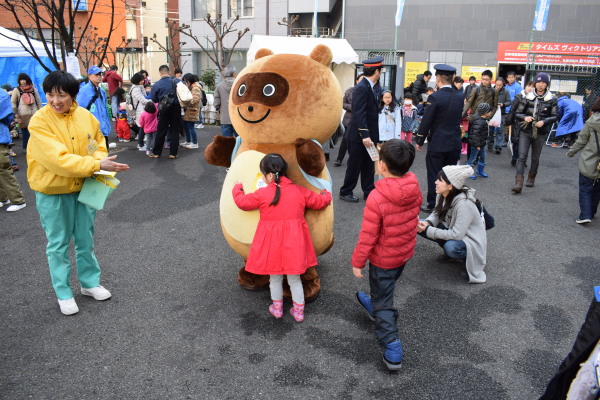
65	144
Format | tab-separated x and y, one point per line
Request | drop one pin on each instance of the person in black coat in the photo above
362	132
442	121
419	86
347	105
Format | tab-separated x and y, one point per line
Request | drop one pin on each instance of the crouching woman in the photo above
455	223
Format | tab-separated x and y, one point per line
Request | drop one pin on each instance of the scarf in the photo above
27	95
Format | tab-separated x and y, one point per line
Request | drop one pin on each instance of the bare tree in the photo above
290	24
221	31
92	47
59	17
173	48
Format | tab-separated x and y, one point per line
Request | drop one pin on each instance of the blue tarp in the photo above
11	67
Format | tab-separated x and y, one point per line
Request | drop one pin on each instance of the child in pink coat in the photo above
282	244
149	123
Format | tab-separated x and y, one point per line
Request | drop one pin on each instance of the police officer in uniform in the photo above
442	121
362	132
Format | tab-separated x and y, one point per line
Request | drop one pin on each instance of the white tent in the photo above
344	57
12	48
14	60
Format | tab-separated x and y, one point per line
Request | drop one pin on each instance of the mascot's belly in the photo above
239	226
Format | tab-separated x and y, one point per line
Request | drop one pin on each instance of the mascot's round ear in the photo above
262	53
322	54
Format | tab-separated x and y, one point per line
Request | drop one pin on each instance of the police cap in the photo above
444	69
373	62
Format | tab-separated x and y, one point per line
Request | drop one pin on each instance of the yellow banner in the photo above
468	71
412	70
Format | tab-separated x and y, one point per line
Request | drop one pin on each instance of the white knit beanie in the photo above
458	174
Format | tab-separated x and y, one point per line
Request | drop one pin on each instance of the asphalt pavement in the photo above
179	327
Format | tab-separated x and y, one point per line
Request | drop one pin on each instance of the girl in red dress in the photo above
282	244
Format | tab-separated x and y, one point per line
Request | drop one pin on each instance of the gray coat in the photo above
221	99
589	156
139	100
464	223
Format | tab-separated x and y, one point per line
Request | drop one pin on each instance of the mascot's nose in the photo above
250	108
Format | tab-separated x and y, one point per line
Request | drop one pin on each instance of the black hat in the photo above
373	62
444	69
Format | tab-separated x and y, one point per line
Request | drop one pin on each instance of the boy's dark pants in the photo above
382	282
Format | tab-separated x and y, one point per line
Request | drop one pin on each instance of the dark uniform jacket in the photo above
365	114
546	111
442	118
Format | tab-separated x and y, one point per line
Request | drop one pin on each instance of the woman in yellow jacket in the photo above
65	147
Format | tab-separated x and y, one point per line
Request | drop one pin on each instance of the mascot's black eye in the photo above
242	89
269	90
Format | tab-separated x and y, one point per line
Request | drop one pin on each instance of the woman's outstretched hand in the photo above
108	164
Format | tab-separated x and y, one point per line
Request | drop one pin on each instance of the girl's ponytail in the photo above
274	164
277	190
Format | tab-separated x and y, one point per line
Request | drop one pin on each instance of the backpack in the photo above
165	104
488	219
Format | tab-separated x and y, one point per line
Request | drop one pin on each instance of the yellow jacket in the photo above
59	149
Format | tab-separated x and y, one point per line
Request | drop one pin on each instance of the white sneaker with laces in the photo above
199	126
68	306
192	146
184	144
141	148
16	207
98	293
4	203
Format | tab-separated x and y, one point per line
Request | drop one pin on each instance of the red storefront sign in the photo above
550	53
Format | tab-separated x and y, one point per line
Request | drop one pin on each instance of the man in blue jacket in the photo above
93	98
442	122
362	132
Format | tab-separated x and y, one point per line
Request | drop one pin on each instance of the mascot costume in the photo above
287	104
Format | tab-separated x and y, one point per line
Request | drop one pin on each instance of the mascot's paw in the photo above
311	284
310	156
250	281
219	151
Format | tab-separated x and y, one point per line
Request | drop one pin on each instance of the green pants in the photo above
9	186
63	218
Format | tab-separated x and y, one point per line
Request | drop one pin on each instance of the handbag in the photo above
96	190
488	219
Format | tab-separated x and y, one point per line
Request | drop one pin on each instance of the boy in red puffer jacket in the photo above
387	239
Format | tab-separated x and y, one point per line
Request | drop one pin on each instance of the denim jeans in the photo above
227	130
497	133
456	249
140	137
150	140
190	132
589	196
383	282
475	153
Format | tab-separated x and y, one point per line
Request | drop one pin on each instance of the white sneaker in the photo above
142	148
16	207
98	293
184	144
583	221
68	306
4	203
192	146
199	126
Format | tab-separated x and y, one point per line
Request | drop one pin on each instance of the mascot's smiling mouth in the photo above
254	122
